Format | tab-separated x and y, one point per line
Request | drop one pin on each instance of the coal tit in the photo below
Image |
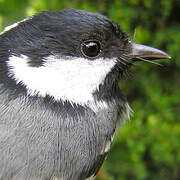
59	96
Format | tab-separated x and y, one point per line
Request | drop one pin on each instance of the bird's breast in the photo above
44	139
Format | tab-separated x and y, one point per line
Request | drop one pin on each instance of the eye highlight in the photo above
91	48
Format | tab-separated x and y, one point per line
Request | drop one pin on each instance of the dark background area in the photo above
148	146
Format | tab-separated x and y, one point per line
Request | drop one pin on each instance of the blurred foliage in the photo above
148	146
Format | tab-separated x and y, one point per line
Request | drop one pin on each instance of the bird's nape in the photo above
60	100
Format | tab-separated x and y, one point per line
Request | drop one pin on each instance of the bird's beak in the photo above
146	52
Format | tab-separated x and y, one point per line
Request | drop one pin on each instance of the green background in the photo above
148	146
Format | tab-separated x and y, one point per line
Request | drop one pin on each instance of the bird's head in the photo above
71	55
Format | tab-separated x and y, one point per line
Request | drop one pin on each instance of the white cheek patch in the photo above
72	79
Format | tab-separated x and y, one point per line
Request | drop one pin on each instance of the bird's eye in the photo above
91	49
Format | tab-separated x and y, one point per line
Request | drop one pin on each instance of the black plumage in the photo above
42	137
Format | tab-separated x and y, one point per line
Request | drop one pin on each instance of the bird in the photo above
60	100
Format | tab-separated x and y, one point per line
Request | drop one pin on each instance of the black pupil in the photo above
91	48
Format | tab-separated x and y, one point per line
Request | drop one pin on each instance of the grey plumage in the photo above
59	95
41	142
